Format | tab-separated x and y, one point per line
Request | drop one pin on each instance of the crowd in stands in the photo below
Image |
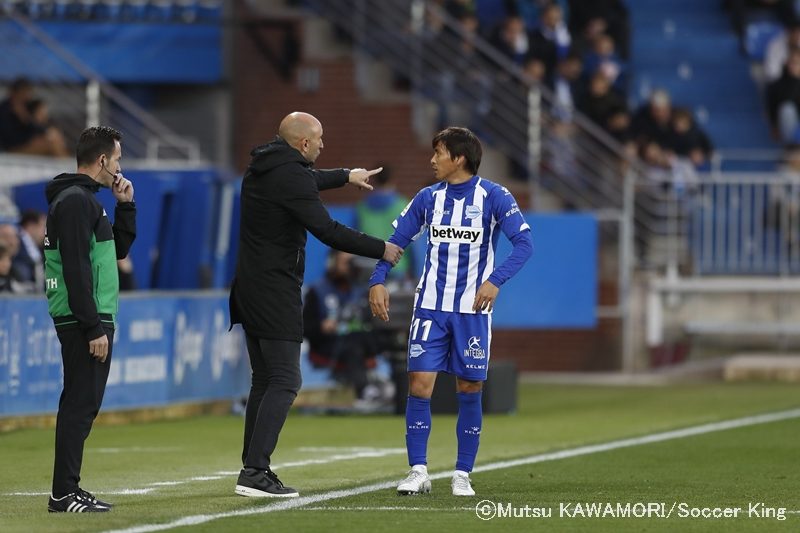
186	11
582	59
25	125
22	255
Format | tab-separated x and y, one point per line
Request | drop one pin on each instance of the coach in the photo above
280	201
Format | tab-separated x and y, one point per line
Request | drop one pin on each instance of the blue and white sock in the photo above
468	429
418	429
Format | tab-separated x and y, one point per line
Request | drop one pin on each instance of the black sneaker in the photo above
262	484
89	496
75	502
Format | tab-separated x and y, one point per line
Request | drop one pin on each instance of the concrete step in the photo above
763	367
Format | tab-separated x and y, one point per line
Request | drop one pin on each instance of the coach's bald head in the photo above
302	132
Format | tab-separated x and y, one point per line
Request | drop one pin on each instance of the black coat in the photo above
280	201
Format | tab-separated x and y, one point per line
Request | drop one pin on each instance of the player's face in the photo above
443	165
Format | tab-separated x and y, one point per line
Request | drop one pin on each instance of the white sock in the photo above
460	473
420	468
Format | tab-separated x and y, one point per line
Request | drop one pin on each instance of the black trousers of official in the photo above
84	385
276	379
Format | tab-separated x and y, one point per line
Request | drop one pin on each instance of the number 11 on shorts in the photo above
426	329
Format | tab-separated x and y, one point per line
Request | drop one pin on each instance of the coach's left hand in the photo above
360	177
485	297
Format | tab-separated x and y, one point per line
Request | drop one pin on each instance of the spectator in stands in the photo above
651	122
551	40
619	127
8	285
338	325
783	10
459	8
588	19
28	264
783	101
567	86
778	51
461	71
376	212
513	40
688	140
19	133
42	126
600	101
603	58
9	237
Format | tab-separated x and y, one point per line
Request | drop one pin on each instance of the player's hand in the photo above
360	177
392	253
379	302
122	189
98	348
485	297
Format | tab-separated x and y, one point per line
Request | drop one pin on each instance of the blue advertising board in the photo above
168	348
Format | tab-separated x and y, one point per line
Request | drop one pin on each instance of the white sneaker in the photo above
461	485
416	482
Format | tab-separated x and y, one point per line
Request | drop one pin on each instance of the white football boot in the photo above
416	482
461	484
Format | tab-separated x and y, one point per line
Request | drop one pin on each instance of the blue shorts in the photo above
456	343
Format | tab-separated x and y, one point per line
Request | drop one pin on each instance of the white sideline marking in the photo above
114	492
387	508
362	453
552	456
367	453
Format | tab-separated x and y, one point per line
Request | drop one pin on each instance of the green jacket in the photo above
81	249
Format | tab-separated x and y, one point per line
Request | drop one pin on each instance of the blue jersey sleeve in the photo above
513	225
407	227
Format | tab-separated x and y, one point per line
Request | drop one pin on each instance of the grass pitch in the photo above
166	472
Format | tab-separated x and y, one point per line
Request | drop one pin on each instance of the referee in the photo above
82	285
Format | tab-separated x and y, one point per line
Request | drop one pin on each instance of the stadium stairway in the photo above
688	47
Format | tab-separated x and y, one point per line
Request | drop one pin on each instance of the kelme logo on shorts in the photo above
456	234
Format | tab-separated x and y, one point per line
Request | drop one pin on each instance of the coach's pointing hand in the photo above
392	253
379	302
485	297
360	177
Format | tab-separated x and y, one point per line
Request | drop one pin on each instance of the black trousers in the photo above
84	385
276	380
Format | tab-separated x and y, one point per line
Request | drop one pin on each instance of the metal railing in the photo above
79	97
735	224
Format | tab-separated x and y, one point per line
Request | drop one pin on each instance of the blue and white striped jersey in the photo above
462	222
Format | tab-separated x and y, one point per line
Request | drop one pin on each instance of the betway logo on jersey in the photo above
456	234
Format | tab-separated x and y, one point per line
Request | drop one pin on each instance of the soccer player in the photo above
451	325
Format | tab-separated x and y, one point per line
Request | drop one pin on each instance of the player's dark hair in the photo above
461	141
94	142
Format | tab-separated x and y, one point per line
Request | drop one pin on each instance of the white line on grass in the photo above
387	508
124	492
362	453
552	456
368	453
